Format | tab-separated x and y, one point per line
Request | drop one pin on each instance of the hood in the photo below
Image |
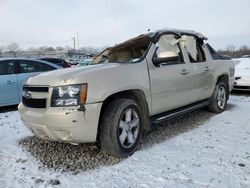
65	76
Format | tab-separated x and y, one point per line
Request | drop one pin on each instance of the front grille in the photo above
29	96
36	89
34	103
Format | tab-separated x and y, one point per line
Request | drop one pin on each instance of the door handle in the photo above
207	69
9	82
184	72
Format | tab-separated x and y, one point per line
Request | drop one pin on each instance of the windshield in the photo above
130	51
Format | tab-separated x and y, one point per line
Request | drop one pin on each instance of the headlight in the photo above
71	95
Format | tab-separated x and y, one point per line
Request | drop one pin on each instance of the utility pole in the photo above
74	41
77	36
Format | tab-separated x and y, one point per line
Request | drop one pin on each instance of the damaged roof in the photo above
181	32
154	36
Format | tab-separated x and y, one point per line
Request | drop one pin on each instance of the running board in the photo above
158	118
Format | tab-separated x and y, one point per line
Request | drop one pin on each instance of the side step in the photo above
158	118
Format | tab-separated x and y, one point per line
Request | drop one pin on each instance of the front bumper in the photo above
63	124
242	85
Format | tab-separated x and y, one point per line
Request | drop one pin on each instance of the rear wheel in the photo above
218	100
121	128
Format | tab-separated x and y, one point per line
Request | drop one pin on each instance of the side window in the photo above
194	49
7	67
46	67
213	53
168	50
30	66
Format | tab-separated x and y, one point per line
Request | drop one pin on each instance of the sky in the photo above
98	23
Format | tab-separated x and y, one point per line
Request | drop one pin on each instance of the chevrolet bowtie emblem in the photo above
27	94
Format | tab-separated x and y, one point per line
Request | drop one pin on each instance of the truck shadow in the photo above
77	158
176	126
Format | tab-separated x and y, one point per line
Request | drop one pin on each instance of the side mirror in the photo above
165	57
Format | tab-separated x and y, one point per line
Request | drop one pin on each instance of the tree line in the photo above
234	52
14	49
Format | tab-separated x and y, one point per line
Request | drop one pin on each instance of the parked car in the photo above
85	62
245	56
131	87
73	62
13	72
242	75
58	61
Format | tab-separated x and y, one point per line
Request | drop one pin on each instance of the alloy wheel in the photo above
128	128
221	97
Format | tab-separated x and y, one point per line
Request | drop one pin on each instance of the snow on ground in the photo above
215	154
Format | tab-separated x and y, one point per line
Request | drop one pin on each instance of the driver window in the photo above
7	67
168	45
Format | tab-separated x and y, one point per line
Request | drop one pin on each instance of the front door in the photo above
170	82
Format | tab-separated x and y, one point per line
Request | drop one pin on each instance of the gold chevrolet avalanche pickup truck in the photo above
128	88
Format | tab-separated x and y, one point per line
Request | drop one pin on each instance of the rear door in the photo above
8	83
200	68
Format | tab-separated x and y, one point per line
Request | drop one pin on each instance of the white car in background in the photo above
242	75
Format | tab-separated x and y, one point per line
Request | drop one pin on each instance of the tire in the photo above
121	128
218	100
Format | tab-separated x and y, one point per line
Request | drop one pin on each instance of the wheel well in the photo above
224	78
136	95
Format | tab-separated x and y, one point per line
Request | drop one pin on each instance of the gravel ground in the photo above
77	158
200	149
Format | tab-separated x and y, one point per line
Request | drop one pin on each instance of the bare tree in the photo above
244	48
68	48
88	50
231	48
50	49
31	49
13	48
41	50
235	53
59	48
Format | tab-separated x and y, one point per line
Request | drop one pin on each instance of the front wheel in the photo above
121	127
218	100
